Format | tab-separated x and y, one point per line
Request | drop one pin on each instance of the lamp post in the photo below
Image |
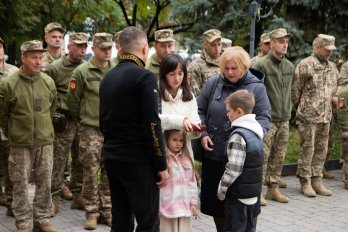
254	12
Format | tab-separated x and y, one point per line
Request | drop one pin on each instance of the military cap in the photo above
226	42
265	38
212	35
2	41
32	45
326	41
117	36
53	26
279	33
165	35
102	39
78	38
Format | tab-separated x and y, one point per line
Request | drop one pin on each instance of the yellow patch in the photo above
341	103
72	84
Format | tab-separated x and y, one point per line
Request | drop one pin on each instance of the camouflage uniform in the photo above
342	113
116	60
161	36
200	70
153	65
315	85
60	71
5	183
264	38
256	59
30	138
83	104
47	58
279	79
344	77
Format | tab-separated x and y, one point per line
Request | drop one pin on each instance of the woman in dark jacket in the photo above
235	74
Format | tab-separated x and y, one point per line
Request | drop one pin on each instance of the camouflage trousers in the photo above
314	140
5	183
95	194
20	163
63	143
274	150
344	142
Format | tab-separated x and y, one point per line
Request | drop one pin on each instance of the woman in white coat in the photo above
178	104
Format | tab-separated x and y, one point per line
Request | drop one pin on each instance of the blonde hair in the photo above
239	55
184	151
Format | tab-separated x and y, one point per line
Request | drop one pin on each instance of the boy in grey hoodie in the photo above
241	182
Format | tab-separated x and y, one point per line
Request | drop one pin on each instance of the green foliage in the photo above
293	148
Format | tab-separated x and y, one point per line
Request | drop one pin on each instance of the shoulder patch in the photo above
72	85
341	103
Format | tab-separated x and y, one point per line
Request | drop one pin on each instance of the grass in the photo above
293	149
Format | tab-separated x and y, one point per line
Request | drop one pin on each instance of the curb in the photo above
290	169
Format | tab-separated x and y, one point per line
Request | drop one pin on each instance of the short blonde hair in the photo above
239	55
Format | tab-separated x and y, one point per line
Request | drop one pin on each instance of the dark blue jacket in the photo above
249	183
218	124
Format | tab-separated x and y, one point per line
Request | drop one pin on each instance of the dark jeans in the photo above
133	193
238	216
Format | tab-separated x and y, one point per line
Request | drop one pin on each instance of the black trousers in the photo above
133	194
238	216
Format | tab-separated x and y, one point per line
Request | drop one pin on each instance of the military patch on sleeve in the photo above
72	84
341	103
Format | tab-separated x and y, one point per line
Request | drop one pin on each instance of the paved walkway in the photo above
300	214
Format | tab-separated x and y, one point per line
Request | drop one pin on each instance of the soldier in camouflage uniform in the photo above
164	44
5	183
66	138
54	39
264	47
207	65
313	95
27	101
83	104
342	116
116	60
279	73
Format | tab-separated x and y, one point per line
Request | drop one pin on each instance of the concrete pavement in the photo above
301	214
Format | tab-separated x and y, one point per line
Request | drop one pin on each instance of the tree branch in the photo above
134	19
124	11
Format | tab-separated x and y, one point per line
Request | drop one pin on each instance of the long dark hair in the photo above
169	64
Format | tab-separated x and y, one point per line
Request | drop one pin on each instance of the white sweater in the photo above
175	110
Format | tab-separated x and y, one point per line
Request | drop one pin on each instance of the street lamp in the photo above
254	12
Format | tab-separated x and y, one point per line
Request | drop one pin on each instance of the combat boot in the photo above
43	227
3	200
306	188
346	184
77	202
320	189
9	211
54	208
328	175
273	193
263	201
91	222
106	219
282	184
66	194
26	229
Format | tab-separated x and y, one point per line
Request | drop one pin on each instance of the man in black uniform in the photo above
133	150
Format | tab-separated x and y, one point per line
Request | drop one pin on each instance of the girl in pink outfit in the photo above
179	198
